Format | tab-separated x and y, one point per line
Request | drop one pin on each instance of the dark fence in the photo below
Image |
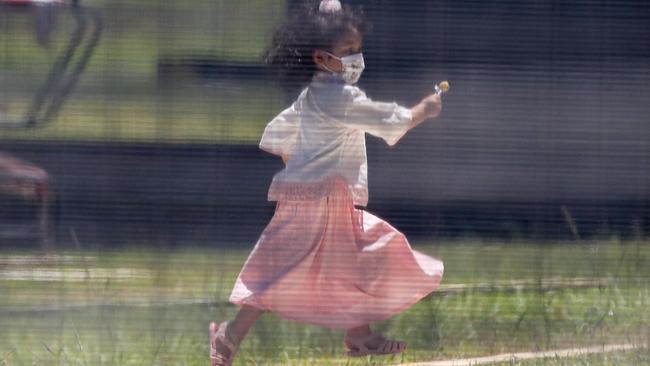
112	195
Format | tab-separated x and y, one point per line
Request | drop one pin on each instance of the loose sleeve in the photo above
388	121
280	134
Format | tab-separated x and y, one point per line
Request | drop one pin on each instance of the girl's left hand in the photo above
432	105
429	107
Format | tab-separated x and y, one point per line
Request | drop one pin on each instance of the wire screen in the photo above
133	187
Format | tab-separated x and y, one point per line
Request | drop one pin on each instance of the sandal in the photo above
357	347
218	333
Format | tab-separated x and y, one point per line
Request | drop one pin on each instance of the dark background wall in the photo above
115	195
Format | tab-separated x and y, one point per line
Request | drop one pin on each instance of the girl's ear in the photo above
325	61
319	57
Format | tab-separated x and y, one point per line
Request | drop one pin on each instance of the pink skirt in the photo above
326	263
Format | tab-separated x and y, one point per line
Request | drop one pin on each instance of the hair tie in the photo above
330	6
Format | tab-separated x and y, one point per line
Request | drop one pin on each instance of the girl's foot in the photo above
222	350
372	344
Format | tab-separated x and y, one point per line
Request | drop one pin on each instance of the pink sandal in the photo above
357	347
218	333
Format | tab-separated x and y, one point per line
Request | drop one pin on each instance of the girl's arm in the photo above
386	120
429	107
280	134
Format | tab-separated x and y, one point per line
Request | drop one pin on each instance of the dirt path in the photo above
573	352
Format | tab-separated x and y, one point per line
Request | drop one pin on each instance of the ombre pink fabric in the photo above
324	262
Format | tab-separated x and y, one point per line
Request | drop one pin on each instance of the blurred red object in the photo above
26	180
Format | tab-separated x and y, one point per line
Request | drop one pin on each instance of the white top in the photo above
323	135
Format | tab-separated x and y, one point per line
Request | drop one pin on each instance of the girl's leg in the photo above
238	328
245	319
361	331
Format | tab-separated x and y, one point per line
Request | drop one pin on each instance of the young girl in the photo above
321	260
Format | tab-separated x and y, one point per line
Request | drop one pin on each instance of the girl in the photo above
321	260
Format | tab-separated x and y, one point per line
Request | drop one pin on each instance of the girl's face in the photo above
350	44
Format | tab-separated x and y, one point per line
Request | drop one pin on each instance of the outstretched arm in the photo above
386	120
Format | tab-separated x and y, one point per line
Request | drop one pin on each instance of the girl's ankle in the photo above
359	332
234	337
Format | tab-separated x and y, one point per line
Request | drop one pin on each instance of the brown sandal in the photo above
357	347
218	333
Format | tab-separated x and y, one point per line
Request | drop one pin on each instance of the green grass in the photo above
232	31
225	112
149	307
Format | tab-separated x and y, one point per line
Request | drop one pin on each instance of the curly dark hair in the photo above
305	30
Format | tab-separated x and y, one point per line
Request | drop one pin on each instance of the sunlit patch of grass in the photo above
232	31
103	106
224	112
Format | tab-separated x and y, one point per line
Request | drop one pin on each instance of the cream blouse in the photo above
323	136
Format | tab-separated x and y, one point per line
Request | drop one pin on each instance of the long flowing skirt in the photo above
327	263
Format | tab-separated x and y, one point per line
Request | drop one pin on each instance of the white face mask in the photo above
353	66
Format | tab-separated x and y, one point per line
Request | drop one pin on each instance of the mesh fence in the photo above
130	126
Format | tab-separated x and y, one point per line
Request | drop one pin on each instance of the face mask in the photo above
353	66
